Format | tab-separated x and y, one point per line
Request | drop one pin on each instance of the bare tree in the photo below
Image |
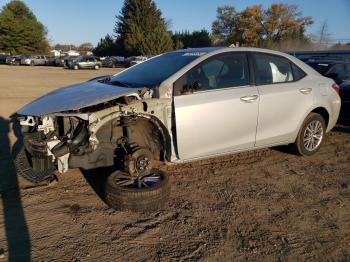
324	36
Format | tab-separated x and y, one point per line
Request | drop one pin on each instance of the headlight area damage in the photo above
129	132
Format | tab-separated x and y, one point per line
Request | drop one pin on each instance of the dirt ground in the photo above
262	205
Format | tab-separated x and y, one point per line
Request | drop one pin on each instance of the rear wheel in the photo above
146	192
310	136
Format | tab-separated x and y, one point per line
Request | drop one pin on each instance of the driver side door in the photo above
216	108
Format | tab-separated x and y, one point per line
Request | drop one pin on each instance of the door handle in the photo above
249	99
306	90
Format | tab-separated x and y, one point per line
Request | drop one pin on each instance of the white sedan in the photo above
180	106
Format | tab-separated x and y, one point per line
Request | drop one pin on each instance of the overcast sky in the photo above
78	21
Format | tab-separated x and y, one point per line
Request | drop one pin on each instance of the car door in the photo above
91	62
84	62
216	109
36	60
284	98
42	60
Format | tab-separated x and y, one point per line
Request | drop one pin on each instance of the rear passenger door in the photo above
284	101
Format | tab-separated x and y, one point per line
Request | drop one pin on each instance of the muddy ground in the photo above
263	205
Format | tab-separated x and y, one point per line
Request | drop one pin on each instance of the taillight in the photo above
336	88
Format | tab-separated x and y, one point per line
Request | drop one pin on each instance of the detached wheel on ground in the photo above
144	193
76	67
97	67
310	136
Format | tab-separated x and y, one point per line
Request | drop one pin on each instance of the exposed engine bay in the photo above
100	135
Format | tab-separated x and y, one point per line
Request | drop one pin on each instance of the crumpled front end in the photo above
93	136
49	140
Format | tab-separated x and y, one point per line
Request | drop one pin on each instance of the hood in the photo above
75	97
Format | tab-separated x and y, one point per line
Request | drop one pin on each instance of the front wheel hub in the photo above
139	162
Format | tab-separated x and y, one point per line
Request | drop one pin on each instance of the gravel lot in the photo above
262	205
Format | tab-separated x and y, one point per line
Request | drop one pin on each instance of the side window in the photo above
221	71
297	73
270	69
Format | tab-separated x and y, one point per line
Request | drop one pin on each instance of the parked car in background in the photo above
13	60
34	60
84	62
63	60
339	71
113	61
3	59
344	93
322	55
134	60
180	106
60	61
51	61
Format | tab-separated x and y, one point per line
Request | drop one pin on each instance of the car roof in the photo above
222	49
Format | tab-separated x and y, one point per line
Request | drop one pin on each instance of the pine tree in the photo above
108	47
185	39
141	29
20	31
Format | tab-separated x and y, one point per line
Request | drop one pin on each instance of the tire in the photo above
24	169
300	145
97	67
136	199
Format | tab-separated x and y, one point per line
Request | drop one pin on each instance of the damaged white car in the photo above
180	106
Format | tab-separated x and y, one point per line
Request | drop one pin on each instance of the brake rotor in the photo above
139	162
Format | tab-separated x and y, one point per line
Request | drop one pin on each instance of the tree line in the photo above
140	29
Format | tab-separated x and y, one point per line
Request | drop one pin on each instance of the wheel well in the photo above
323	112
150	133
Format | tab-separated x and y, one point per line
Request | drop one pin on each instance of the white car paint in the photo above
216	122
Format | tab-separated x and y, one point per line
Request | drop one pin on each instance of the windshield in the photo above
154	71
